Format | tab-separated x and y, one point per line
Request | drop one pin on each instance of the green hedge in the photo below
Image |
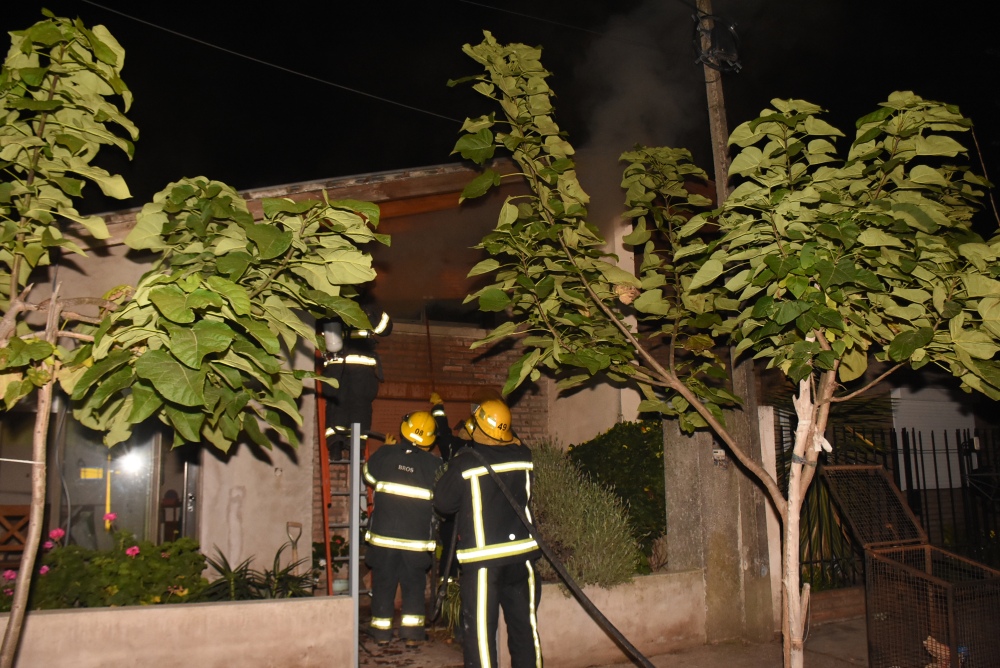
628	458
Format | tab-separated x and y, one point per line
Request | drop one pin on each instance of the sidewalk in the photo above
837	644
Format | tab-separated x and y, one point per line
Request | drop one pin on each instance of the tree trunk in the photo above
39	447
811	425
19	604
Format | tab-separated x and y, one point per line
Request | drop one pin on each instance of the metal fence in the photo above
951	482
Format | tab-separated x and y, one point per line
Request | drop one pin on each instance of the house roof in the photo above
432	233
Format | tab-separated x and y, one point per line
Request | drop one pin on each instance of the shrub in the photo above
133	572
243	583
628	458
584	524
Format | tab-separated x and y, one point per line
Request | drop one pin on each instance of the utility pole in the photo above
716	108
755	619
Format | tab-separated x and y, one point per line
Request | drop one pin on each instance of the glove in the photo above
390	439
436	399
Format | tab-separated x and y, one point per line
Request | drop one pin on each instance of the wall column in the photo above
716	522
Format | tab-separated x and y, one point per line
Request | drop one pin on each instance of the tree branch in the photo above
862	390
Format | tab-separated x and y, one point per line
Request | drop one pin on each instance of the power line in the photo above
533	18
596	33
272	65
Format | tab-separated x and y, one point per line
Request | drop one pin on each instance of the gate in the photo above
950	480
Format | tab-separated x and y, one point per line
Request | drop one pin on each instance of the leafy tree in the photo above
204	342
818	263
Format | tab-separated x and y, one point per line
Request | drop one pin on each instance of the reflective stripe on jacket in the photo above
402	476
489	529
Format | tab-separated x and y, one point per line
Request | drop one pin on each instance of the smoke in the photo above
644	83
642	86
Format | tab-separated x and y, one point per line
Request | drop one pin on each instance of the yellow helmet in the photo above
419	428
492	417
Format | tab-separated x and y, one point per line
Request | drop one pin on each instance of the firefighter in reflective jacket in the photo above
400	536
495	551
351	358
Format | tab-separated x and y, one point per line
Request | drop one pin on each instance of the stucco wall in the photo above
299	633
581	415
672	617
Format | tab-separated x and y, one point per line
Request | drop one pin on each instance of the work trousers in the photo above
516	589
408	571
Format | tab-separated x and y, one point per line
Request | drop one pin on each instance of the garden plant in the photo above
628	459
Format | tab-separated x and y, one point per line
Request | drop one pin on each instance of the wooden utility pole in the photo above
716	109
753	568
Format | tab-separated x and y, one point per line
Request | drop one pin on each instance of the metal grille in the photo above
872	506
925	606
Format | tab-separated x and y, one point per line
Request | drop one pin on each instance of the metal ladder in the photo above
356	491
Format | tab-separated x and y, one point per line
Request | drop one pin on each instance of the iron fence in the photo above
950	480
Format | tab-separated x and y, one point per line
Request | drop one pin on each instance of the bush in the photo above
628	458
584	524
133	572
243	583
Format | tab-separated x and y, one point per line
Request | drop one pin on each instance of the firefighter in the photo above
400	536
352	360
495	550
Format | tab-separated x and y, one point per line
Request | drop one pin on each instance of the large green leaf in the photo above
270	240
233	293
171	302
190	345
905	343
174	381
708	272
493	300
100	369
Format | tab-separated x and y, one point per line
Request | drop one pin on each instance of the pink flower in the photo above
132	551
9	575
48	545
43	570
57	533
164	555
110	517
9	592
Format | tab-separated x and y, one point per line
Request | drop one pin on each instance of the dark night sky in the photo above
624	73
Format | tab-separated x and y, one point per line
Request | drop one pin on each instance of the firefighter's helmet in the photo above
492	417
419	428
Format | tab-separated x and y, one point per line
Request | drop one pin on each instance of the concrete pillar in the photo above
716	522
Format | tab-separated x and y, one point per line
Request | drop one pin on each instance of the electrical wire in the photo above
533	18
281	68
596	33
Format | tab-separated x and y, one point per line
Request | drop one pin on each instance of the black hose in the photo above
442	591
587	604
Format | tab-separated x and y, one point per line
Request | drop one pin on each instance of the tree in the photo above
204	342
819	264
